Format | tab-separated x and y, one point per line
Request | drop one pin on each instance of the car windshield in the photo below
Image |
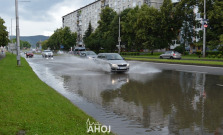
90	53
47	51
29	52
114	57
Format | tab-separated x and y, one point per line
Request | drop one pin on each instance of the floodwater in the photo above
146	100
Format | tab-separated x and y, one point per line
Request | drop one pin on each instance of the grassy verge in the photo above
29	105
193	62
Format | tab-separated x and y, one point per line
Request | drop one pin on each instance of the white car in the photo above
47	53
114	60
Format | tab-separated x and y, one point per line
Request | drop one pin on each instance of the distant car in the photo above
114	60
170	55
88	54
47	53
29	54
60	52
78	50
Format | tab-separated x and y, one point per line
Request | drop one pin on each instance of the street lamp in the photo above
119	36
204	33
17	34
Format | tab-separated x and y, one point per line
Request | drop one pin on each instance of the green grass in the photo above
193	62
27	104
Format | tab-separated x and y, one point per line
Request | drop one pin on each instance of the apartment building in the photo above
79	19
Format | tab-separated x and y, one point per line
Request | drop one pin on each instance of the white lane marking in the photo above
220	85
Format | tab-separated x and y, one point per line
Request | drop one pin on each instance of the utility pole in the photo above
11	31
17	34
119	37
204	32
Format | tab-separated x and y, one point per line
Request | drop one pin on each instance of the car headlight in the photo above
114	65
128	65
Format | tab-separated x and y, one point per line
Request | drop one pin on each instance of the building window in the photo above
139	3
133	3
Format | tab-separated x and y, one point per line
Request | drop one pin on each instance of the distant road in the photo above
185	68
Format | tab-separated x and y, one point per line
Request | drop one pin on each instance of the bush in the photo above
130	53
213	56
198	53
179	49
220	48
186	53
219	55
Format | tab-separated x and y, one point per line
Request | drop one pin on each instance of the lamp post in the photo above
17	34
119	36
204	32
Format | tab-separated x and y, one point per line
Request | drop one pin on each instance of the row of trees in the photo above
3	33
23	44
147	27
62	37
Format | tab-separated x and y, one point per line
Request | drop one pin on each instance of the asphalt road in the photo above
184	68
152	98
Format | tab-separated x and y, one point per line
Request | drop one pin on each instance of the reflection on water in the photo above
177	102
167	102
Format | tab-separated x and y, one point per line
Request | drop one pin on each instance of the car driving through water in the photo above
47	53
114	60
88	54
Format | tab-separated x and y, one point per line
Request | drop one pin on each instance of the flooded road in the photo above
149	99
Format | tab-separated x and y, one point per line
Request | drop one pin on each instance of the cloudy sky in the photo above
38	17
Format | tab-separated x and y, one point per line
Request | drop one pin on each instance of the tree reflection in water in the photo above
182	101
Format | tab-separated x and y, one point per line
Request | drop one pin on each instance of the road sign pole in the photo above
204	32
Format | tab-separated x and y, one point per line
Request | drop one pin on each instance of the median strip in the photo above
29	106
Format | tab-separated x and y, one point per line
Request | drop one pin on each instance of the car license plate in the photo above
122	67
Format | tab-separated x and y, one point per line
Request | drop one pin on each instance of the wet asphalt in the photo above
152	98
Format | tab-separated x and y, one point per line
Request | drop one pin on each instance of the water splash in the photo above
142	68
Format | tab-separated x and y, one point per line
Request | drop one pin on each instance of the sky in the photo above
38	17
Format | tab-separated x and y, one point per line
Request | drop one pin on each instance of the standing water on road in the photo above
146	100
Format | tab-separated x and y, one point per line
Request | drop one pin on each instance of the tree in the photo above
94	41
215	24
147	30
129	29
44	44
62	36
23	44
104	29
186	10
88	32
3	33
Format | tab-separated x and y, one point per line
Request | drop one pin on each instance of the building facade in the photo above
78	20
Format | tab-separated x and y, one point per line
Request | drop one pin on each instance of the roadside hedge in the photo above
130	53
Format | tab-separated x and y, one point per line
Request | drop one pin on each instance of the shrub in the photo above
219	55
179	49
198	53
186	53
213	56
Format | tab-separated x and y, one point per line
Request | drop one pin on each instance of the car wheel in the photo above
161	57
171	57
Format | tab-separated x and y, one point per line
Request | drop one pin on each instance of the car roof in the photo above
107	53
